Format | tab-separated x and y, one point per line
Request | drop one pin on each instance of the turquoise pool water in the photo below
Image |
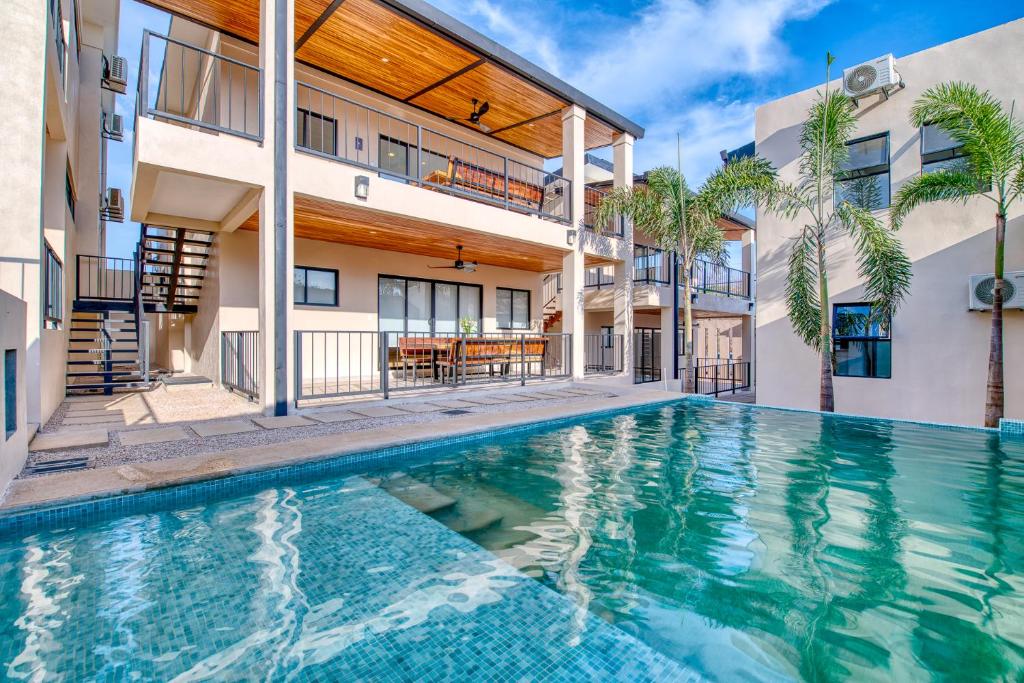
714	540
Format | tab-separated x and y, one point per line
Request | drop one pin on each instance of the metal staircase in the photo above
174	264
104	352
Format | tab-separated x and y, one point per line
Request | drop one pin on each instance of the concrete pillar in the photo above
622	156
276	209
573	119
90	150
749	326
24	33
668	321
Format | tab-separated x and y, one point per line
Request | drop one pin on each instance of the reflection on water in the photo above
766	544
745	544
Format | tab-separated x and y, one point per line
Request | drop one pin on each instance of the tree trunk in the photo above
688	383
826	397
994	391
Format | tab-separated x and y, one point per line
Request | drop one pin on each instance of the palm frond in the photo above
741	183
802	300
992	138
945	185
830	124
1017	185
881	261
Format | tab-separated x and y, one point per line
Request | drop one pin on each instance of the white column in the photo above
276	348
573	118
622	155
749	339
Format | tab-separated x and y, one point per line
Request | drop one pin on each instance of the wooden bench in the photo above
465	176
418	352
503	352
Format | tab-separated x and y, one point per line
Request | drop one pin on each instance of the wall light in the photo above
570	237
693	297
362	187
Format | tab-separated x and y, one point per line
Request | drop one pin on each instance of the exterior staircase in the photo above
552	293
551	319
103	352
174	264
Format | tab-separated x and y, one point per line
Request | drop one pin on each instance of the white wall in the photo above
939	349
13	447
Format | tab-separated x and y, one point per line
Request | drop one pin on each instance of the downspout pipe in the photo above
675	314
280	207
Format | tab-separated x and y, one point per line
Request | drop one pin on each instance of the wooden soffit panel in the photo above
512	100
239	18
368	44
543	136
317	219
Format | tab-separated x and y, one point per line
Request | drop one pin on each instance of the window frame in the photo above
302	123
945	154
53	301
70	195
305	302
876	339
511	311
869	171
10	393
411	155
433	302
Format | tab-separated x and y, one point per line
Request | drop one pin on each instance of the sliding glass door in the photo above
426	306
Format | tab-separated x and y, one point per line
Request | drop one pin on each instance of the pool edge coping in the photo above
213	466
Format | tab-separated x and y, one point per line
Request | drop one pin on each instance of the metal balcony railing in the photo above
200	88
592	198
715	278
603	353
105	278
651	265
335	127
239	369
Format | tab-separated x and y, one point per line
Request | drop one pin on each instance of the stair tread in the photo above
416	494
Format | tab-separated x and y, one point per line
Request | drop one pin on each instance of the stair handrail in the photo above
141	334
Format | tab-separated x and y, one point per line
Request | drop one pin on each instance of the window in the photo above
863	179
69	190
316	286
53	290
10	392
513	309
317	132
400	158
861	342
939	152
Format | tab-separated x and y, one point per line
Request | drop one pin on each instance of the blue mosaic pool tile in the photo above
1014	427
93	511
336	581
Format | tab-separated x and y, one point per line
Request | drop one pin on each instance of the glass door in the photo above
446	308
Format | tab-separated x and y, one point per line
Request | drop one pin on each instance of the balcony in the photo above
715	278
333	126
592	198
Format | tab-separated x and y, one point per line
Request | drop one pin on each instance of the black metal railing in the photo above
334	363
646	355
239	362
716	278
333	126
651	265
592	198
200	88
716	376
599	277
108	278
603	353
53	289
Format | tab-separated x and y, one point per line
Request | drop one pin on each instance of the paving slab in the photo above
454	403
419	407
585	392
143	437
108	418
76	439
376	411
222	428
521	397
485	400
92	412
282	421
332	416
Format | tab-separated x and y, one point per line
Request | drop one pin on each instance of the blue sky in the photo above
697	67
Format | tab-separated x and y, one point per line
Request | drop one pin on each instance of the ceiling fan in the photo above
478	113
466	266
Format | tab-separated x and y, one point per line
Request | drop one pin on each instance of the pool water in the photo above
710	540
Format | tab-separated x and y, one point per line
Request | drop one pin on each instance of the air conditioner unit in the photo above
115	74
113	206
876	76
980	290
113	127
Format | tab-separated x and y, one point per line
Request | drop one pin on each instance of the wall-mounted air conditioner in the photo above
113	127
115	74
113	206
875	76
980	290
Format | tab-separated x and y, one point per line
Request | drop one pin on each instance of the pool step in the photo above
468	515
416	494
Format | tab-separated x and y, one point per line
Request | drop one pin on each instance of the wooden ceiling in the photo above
319	219
378	47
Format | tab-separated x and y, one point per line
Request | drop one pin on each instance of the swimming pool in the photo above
693	539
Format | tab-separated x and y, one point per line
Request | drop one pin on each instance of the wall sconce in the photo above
570	237
693	297
362	187
750	306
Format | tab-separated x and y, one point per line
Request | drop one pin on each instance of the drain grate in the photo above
456	411
79	463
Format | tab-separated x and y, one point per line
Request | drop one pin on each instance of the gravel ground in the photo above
216	408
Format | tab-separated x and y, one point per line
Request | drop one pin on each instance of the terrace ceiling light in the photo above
362	187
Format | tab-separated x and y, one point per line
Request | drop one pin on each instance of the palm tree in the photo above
994	144
812	202
687	222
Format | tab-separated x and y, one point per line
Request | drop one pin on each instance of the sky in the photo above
698	68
